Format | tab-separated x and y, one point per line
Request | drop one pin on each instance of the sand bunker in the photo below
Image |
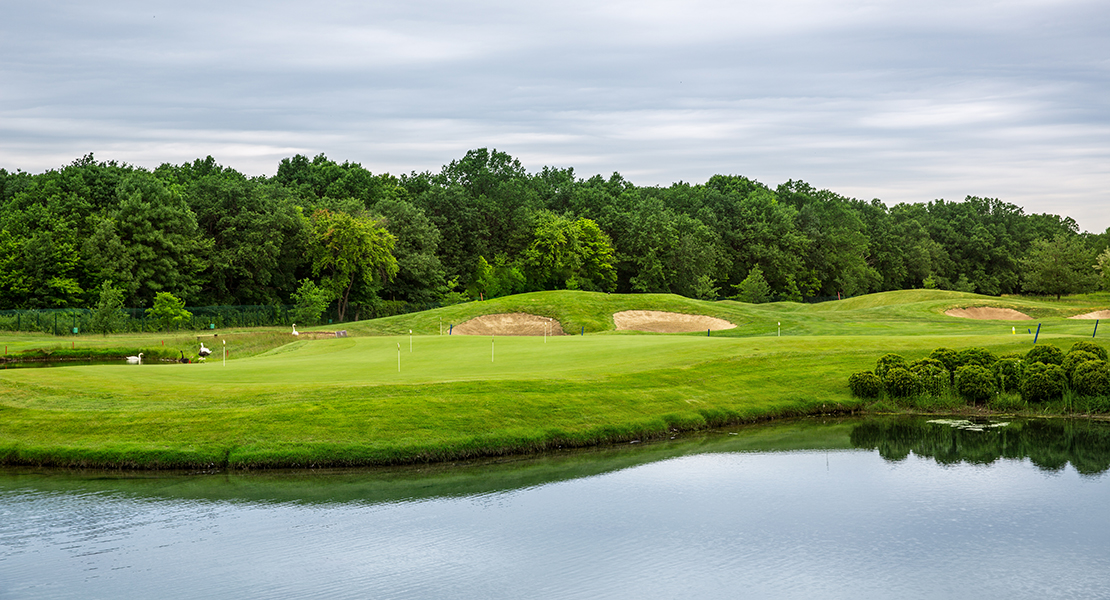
509	324
666	322
1098	314
988	313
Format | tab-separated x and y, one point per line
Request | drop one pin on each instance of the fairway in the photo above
284	402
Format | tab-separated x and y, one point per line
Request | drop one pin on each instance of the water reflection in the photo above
782	511
1048	444
447	480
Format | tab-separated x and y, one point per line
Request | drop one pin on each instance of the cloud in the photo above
905	102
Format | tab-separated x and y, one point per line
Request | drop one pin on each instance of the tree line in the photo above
482	226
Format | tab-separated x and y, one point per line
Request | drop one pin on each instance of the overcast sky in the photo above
902	101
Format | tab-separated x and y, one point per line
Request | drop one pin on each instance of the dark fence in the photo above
73	321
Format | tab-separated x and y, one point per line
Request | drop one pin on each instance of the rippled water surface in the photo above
721	516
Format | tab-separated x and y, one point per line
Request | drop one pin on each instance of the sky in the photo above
896	100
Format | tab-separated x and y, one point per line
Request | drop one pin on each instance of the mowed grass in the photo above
342	401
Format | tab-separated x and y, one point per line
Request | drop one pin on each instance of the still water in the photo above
846	509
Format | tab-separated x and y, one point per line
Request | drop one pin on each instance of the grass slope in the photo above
286	402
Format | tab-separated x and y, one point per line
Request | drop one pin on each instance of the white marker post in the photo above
780	328
410	341
225	353
491	348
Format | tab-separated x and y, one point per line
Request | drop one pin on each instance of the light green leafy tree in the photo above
704	288
310	302
754	289
168	311
348	250
1103	268
569	254
502	278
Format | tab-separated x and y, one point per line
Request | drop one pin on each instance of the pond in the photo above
875	508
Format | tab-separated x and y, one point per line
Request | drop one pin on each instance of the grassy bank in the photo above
282	402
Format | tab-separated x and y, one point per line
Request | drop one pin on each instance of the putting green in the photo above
371	361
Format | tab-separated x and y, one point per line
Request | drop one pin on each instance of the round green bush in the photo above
887	362
1043	382
925	362
901	382
931	375
1007	374
865	385
1074	359
1049	355
975	383
949	357
1093	348
975	356
1092	378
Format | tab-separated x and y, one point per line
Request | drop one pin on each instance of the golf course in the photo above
381	395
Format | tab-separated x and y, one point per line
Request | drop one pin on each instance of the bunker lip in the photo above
1098	314
656	321
509	324
988	313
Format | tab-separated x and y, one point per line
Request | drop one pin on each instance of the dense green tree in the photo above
1062	265
42	224
421	277
208	234
149	243
463	224
837	247
108	315
258	237
324	178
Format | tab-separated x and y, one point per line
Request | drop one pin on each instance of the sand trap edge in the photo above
988	313
509	324
1098	314
657	321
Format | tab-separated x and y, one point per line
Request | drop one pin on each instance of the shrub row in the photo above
976	375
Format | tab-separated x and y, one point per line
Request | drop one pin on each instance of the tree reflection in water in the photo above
1048	444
